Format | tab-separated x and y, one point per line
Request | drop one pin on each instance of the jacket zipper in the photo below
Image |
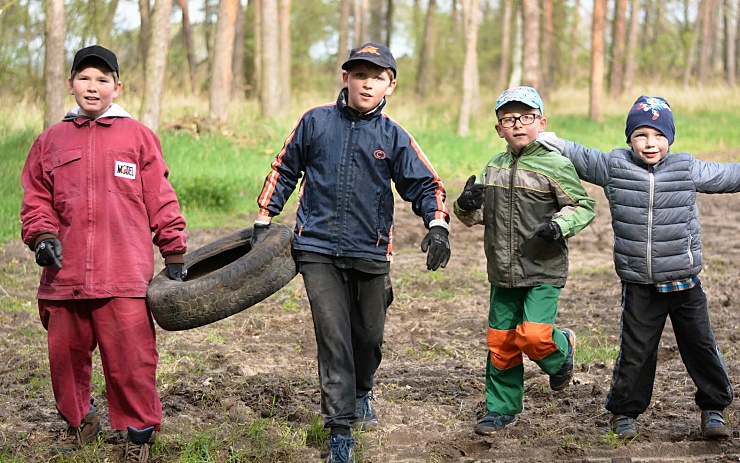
650	225
512	174
343	210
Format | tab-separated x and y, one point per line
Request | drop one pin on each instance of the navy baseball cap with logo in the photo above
377	54
96	51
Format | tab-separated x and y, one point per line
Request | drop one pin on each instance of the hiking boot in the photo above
623	426
72	439
713	425
137	445
562	378
365	417
341	449
493	422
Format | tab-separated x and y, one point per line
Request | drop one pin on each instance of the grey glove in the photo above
551	141
176	271
548	231
472	196
438	245
259	233
49	252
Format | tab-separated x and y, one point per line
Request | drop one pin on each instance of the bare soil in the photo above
261	363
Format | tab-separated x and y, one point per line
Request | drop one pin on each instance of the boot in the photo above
72	439
137	445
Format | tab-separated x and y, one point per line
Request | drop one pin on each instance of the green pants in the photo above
521	321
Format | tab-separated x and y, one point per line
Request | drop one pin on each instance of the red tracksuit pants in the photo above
124	330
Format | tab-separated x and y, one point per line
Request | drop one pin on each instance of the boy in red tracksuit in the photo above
95	196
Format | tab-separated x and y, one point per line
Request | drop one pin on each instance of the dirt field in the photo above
261	363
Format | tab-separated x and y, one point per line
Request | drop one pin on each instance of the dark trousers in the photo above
348	308
644	312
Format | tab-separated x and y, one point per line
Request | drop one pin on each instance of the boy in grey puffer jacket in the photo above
657	255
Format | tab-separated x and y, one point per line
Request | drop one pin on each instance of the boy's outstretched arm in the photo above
591	164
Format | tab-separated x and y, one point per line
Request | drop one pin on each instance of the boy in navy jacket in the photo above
346	156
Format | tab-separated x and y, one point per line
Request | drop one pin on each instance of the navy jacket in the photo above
346	162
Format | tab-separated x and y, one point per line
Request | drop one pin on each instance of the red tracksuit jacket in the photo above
101	187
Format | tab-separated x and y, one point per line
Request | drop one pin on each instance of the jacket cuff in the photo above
174	257
439	223
39	238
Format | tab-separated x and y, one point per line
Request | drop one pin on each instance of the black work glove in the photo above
259	233
176	271
472	196
548	231
49	252
438	245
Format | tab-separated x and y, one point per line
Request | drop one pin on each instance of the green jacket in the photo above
523	191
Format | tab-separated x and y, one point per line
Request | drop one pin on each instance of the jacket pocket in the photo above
122	173
66	171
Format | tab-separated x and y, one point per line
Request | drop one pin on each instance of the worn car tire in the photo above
224	278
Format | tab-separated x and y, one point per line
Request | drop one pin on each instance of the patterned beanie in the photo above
651	111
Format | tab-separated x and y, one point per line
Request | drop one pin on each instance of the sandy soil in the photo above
430	386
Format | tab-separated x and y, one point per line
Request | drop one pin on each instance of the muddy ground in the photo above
260	363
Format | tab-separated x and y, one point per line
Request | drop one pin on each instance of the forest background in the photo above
223	83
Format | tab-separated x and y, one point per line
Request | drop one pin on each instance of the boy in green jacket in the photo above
530	201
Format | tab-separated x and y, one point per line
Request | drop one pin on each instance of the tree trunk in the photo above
531	19
388	23
156	64
239	86
597	59
616	76
505	67
705	47
365	24
548	48
270	97
342	45
145	31
731	42
718	23
208	28
516	57
572	75
285	46
187	34
55	28
257	5
630	60
223	55
425	72
471	10
358	37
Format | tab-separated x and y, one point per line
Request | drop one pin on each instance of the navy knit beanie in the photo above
651	111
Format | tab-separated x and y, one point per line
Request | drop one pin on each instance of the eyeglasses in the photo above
525	119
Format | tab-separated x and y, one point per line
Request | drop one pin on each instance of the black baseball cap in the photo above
96	51
377	54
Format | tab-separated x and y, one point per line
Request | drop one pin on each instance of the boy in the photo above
658	257
348	153
95	190
530	201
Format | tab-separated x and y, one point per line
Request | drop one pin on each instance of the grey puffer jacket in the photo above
657	234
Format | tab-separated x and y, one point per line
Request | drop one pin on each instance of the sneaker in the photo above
137	445
562	378
72	439
492	422
623	426
713	425
365	417
341	449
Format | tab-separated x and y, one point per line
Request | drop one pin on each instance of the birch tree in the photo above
531	19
